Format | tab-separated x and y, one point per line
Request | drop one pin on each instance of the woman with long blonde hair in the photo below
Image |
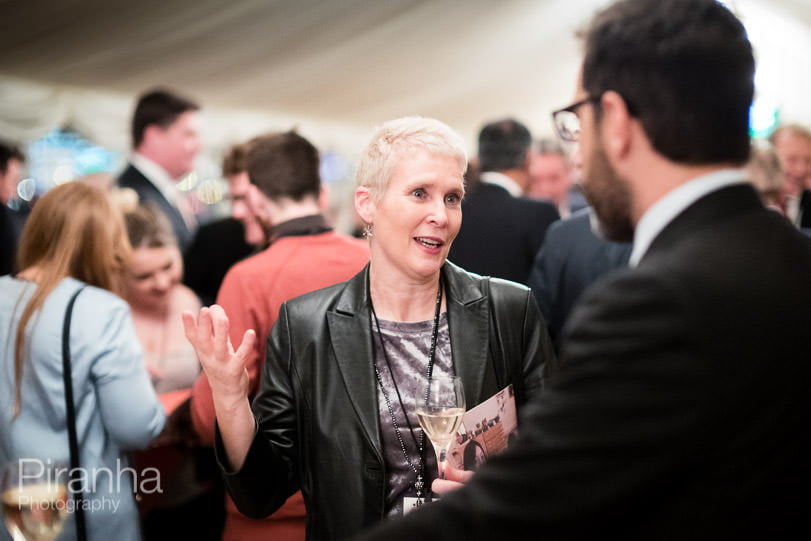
73	239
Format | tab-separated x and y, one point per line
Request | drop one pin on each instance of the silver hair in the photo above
392	140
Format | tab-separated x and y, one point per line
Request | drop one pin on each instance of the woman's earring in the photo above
367	231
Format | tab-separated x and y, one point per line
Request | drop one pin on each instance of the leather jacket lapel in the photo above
469	324
352	345
469	329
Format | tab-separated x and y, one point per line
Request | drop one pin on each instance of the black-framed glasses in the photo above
566	121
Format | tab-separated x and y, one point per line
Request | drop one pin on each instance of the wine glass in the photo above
35	498
441	414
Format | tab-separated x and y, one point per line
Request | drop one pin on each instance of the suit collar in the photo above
500	179
673	203
717	206
155	174
354	299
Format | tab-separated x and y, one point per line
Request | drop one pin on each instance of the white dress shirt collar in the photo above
661	213
156	174
494	177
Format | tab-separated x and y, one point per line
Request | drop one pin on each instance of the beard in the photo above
609	196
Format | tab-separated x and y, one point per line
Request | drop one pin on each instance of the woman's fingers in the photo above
190	327
461	476
247	345
219	328
209	334
444	486
454	480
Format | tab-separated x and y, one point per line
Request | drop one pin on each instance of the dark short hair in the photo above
235	160
684	68
9	152
284	165
160	107
503	145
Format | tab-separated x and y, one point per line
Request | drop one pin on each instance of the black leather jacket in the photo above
317	413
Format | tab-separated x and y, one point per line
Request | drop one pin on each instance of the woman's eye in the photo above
453	199
419	193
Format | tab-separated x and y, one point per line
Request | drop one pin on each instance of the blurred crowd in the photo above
524	217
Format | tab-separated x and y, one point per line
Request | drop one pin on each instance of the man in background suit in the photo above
553	178
166	139
792	144
11	220
501	229
573	256
681	406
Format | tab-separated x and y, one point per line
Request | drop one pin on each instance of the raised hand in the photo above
227	375
225	368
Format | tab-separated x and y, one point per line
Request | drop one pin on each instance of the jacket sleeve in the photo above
269	474
132	414
519	339
539	360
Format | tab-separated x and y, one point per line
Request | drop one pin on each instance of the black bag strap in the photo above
67	376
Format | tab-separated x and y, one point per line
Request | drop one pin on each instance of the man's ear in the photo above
528	159
152	133
323	199
259	205
616	125
364	204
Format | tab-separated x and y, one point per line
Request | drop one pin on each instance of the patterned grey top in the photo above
407	346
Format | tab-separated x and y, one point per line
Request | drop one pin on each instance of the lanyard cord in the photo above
431	356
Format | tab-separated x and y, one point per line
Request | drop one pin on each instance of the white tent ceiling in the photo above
334	68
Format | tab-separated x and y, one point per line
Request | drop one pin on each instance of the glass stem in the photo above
441	460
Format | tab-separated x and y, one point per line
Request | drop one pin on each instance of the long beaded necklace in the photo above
418	468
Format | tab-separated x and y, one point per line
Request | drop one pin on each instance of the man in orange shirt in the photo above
304	254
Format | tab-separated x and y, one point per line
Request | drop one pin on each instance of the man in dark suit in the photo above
166	139
792	144
681	407
553	178
11	220
573	256
502	230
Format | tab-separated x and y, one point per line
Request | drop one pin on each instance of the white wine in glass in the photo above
34	496
441	414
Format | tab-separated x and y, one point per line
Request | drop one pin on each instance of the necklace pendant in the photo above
418	484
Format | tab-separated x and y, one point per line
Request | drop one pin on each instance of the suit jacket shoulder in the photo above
500	234
132	178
